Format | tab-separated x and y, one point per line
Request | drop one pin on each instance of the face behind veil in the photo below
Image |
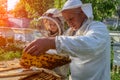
48	25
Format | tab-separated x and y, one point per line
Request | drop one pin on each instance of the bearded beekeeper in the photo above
86	41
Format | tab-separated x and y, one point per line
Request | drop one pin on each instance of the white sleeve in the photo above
92	43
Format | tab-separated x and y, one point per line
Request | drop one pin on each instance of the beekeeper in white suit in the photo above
86	41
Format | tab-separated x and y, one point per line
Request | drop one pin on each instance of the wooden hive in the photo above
43	74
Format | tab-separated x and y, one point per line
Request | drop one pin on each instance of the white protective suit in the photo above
89	49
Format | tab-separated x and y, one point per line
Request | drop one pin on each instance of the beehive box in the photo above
11	70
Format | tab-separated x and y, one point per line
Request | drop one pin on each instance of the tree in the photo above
32	8
19	10
59	3
3	13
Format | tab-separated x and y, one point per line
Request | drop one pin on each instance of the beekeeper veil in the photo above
56	22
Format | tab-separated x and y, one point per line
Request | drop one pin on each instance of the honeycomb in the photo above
48	61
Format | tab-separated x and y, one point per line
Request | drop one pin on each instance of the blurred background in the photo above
18	19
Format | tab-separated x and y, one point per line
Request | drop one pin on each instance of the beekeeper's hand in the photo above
39	46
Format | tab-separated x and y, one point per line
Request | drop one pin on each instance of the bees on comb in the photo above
48	61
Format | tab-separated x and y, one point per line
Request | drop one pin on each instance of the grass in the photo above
115	76
10	55
11	51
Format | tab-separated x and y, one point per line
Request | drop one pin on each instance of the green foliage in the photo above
11	50
118	28
115	76
9	55
19	10
103	8
113	28
110	28
32	8
59	3
36	8
112	53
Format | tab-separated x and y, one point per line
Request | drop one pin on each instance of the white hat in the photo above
71	4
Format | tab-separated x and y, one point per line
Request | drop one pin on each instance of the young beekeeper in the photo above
86	41
53	26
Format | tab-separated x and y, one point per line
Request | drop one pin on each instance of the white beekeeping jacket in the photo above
89	49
